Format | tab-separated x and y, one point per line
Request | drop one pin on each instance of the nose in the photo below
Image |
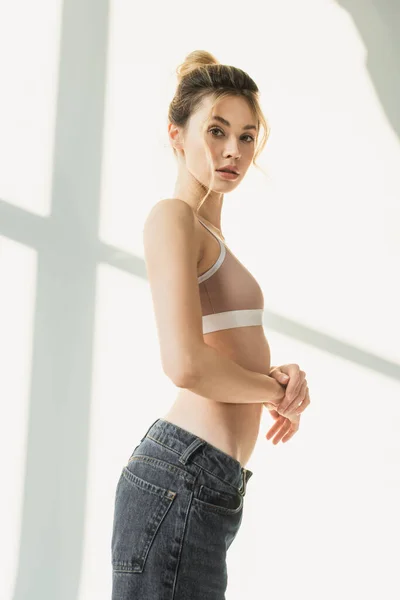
232	149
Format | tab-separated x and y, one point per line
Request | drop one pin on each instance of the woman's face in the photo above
229	139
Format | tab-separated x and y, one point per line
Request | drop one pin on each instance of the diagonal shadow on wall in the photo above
378	23
69	251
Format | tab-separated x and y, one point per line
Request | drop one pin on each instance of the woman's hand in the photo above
297	396
283	428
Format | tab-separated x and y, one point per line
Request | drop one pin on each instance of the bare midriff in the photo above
233	428
230	427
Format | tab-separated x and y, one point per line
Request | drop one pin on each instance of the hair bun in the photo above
194	60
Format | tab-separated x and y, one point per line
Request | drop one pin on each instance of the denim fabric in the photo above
178	507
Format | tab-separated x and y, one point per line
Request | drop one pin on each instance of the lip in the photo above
226	175
231	168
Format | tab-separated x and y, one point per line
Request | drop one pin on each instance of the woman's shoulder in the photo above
174	209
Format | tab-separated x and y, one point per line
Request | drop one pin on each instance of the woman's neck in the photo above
212	226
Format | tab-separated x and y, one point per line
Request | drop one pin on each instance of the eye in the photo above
215	129
220	130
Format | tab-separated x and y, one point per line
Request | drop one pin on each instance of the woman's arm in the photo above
215	376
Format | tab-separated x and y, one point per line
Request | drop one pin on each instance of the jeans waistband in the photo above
192	448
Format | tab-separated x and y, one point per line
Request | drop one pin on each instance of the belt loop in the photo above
242	488
198	442
245	477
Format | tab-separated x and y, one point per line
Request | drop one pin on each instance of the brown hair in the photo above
200	76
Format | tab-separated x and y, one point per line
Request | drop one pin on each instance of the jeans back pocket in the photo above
140	508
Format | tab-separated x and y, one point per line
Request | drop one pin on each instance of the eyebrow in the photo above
225	122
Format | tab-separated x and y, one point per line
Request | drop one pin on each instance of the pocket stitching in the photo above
137	564
219	509
147	485
162	464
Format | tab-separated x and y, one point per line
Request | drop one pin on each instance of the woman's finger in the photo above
274	414
288	436
295	383
294	427
304	403
294	407
275	427
283	430
294	404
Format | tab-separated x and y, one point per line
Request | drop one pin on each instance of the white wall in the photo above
85	88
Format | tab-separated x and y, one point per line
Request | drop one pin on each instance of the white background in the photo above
85	89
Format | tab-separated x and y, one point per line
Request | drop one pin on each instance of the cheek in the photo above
205	158
198	164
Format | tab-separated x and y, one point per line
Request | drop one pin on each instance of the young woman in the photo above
179	499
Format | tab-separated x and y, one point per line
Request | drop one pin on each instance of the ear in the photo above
175	136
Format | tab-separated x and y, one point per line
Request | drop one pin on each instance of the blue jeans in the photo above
178	507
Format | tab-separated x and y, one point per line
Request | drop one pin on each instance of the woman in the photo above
179	499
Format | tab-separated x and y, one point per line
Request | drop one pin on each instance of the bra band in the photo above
232	318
